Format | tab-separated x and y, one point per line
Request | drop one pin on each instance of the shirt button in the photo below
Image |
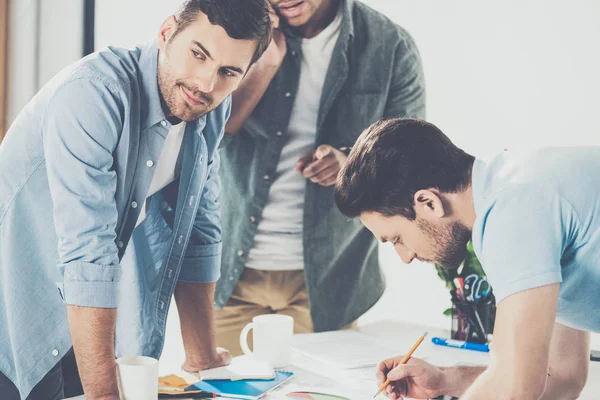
180	239
120	244
293	52
266	177
149	163
134	204
240	253
279	133
163	122
288	94
252	219
55	352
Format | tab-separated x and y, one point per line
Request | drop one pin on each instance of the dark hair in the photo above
241	19
392	160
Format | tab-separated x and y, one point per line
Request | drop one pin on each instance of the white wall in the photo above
45	36
502	74
499	75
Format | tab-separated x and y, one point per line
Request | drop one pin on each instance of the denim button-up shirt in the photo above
73	168
375	72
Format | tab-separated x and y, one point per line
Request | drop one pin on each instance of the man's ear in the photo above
429	204
166	31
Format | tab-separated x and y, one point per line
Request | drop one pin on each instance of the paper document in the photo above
244	367
343	349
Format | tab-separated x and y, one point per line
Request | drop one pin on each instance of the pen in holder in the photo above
473	309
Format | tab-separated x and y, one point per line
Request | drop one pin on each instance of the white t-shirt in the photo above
165	169
278	241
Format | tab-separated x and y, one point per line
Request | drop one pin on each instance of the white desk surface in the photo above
399	336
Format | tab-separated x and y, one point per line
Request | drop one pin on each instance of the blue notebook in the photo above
243	389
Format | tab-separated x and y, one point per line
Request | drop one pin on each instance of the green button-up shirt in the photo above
375	72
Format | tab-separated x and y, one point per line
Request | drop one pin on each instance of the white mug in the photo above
137	378
272	339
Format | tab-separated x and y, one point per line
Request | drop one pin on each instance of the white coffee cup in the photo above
137	378
272	339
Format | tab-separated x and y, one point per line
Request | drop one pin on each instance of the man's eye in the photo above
228	73
197	55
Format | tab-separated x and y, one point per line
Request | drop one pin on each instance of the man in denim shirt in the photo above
333	68
111	174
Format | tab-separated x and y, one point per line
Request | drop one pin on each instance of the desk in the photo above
399	336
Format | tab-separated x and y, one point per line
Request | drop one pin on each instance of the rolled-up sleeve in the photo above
202	261
81	128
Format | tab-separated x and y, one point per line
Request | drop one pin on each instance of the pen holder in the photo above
472	321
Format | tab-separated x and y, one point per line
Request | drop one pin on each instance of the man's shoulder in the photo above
116	67
369	23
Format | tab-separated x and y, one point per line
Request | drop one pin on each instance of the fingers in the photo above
401	371
304	161
190	370
318	166
397	390
225	355
383	367
323	151
327	176
274	17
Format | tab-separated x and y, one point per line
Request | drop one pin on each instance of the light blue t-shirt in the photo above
538	223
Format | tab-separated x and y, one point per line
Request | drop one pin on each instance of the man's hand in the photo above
322	165
223	358
195	306
275	52
415	379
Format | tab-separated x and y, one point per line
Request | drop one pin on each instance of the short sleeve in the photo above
520	240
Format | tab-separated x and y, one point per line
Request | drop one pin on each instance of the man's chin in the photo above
187	115
453	263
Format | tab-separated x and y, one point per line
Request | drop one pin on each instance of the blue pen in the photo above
460	344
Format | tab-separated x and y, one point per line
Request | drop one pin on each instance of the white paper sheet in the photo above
243	367
343	349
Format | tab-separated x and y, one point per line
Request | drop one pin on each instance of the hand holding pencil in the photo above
410	377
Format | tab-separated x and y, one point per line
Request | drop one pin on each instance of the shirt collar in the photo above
347	22
346	30
148	69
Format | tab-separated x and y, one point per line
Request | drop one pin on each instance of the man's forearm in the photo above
461	378
497	385
93	334
562	386
248	95
195	306
458	379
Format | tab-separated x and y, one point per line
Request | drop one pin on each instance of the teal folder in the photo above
243	389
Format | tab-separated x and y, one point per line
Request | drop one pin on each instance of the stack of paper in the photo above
343	349
244	367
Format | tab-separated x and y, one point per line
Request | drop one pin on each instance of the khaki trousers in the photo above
262	292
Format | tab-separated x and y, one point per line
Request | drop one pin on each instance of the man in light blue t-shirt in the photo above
535	224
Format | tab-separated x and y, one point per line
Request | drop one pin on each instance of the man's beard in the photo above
169	89
449	242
